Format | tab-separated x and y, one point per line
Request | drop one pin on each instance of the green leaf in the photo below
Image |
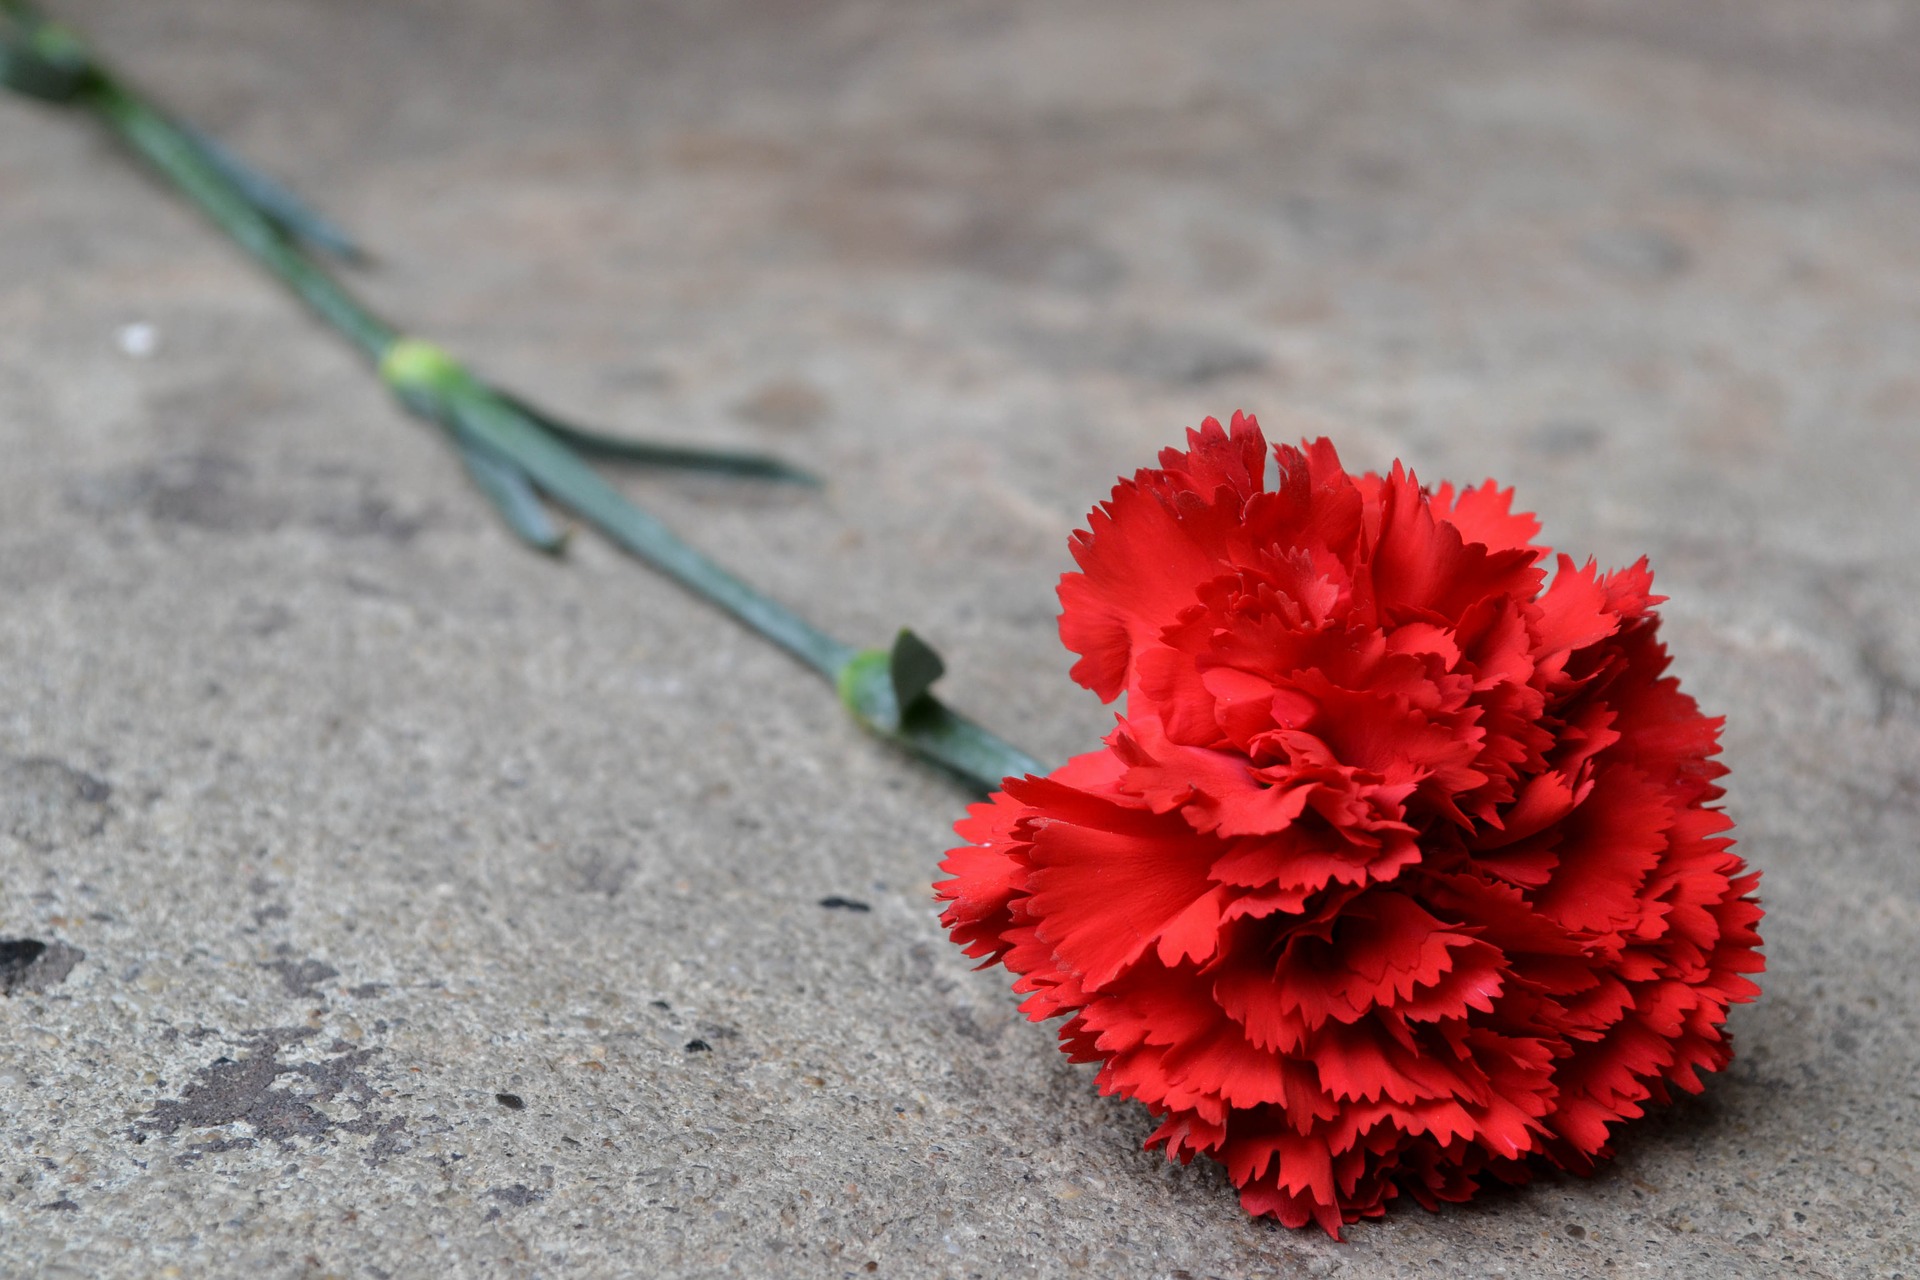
883	687
44	61
913	667
435	386
890	691
293	215
614	448
421	373
513	496
866	689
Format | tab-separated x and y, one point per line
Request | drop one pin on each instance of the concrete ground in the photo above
420	907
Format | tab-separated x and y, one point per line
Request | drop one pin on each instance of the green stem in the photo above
510	447
941	735
163	145
558	470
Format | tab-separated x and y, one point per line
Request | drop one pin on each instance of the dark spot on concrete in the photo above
366	514
1008	246
1187	358
62	1206
202	491
27	964
278	911
280	1101
835	902
212	492
302	978
1894	693
263	622
699	1046
964	1023
661	1004
1349	228
997	233
360	585
519	1195
1644	253
1181	357
367	990
595	872
17	953
511	1101
1566	438
785	404
46	803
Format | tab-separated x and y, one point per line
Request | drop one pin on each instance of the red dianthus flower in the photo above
1400	867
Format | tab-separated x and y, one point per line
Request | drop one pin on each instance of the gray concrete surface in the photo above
411	871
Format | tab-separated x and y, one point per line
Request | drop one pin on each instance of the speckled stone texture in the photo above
431	909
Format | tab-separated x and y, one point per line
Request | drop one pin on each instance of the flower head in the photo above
1401	867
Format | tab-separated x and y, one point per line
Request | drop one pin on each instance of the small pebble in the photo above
139	339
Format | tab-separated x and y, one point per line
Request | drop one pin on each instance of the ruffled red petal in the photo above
1401	871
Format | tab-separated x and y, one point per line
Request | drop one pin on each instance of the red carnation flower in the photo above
1400	868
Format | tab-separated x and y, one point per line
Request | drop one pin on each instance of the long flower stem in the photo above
500	430
170	150
510	448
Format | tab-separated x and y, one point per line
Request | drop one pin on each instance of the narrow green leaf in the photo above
889	692
435	386
599	444
883	687
293	215
866	689
41	60
507	487
559	472
912	668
